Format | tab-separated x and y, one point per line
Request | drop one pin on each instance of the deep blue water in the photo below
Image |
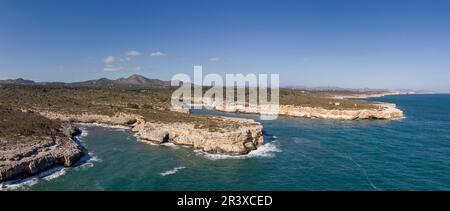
408	154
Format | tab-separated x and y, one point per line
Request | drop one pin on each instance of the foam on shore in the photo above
87	161
265	151
30	181
104	125
167	144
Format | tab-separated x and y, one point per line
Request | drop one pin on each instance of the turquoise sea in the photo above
300	154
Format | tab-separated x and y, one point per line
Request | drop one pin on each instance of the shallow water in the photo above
301	154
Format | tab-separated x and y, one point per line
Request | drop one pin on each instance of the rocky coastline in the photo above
237	136
24	160
35	156
386	111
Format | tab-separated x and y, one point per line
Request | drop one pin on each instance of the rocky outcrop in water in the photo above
246	136
34	156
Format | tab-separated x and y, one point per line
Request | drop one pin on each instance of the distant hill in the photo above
16	81
138	81
134	81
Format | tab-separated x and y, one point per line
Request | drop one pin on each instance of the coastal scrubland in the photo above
19	101
152	103
17	126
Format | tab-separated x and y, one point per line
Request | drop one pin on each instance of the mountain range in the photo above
138	81
134	81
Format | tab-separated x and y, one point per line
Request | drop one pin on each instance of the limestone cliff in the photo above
385	111
245	137
379	111
34	156
236	136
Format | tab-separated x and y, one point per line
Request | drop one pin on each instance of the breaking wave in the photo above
172	171
167	144
87	161
30	181
265	151
121	127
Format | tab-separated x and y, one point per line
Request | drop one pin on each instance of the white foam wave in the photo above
105	125
172	171
94	158
167	144
48	175
87	165
145	141
55	174
30	181
84	133
81	137
88	161
265	151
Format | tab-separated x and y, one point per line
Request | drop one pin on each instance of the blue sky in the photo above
355	44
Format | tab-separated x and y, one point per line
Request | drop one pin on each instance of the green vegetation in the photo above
153	104
314	98
322	99
15	125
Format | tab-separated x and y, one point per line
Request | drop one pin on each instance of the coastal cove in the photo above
299	154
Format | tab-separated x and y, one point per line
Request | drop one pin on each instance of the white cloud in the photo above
109	60
157	54
113	64
133	53
214	59
112	68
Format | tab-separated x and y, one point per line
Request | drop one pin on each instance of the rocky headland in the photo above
224	135
23	156
376	110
